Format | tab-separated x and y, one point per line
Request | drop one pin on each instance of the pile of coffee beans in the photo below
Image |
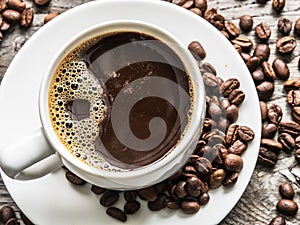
216	161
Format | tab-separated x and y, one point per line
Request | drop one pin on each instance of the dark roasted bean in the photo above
275	113
286	44
74	179
130	195
98	190
262	51
216	179
190	207
293	97
245	43
268	71
231	179
286	190
231	134
263	31
203	166
180	190
11	15
236	97
265	90
246	23
237	148
172	203
204	199
195	186
290	127
269	130
287	207
233	163
297	28
278	5
271	144
278	220
26	17
109	198
201	4
287	141
132	207
159	203
292	84
253	63
232	29
296	113
149	193
197	50
245	133
267	157
18	5
281	69
264	110
209	13
217	20
116	213
284	25
7	213
232	113
245	56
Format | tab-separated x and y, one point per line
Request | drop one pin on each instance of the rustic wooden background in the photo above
258	203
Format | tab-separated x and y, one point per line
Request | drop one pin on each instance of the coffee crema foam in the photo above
73	83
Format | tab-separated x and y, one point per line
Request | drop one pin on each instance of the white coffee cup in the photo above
42	152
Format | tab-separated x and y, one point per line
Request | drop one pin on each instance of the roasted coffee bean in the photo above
293	97
292	84
275	113
3	5
210	81
232	113
284	25
50	16
231	179
232	29
229	85
290	127
197	50
161	186
286	191
253	63
12	221
225	34
4	26
297	28
287	141
209	13
236	97
264	110
271	144
286	44
245	133
268	71
269	130
216	178
74	179
262	51
265	90
180	189
208	124
98	190
287	207
116	213
130	195
296	113
172	203
203	166
267	157
26	17
278	220
245	43
42	2
231	134
223	123
18	5
218	21
233	163
194	186
109	198
159	203
207	67
201	4
204	199
7	213
11	15
25	219
149	193
281	69
245	56
297	155
238	48
237	148
190	207
297	142
132	207
263	31
196	11
262	1
246	23
278	5
222	151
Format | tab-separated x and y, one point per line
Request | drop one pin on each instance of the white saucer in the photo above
51	199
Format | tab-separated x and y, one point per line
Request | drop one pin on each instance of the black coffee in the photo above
121	100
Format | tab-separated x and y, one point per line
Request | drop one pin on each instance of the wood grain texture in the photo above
258	204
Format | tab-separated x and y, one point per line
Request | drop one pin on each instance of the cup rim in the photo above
194	125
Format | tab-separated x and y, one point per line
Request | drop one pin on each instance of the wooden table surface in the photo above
258	203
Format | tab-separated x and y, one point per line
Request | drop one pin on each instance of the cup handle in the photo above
29	158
